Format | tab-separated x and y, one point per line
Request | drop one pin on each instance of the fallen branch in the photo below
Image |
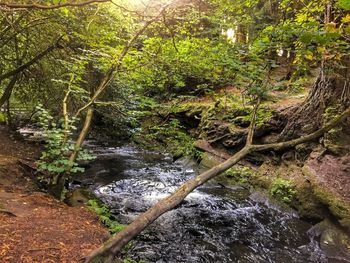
113	246
7	212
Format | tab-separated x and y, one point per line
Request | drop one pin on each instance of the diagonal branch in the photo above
46	7
116	66
113	246
312	136
108	77
32	61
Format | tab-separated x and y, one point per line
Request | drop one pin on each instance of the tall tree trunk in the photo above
8	113
83	133
8	90
241	34
331	89
106	80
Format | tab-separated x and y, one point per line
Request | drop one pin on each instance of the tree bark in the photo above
113	246
82	135
66	115
8	90
332	88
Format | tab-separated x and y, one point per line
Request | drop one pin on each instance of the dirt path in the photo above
34	227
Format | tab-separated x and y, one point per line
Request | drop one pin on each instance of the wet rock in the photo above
333	241
209	160
207	147
79	197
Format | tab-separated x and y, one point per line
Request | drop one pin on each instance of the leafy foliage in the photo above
55	157
239	174
105	216
175	137
283	190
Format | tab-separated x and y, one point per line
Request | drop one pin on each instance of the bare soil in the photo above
35	227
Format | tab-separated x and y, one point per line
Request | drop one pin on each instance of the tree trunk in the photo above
8	90
82	135
104	83
331	89
241	34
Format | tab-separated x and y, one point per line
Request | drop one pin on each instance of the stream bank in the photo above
218	222
313	178
34	226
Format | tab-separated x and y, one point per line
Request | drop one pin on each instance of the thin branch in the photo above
31	62
171	33
252	124
11	6
66	114
116	66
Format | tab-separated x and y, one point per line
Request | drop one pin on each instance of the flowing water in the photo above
213	224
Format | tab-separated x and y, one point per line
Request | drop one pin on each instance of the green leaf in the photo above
344	4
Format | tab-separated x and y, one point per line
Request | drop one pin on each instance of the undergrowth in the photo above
112	224
105	216
174	136
283	189
241	175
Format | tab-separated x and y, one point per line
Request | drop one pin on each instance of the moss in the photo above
208	161
304	199
309	205
338	207
170	136
239	174
105	216
337	139
335	204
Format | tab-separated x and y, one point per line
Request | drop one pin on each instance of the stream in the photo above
215	223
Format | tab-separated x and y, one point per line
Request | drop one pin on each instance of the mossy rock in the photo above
209	160
338	207
309	206
79	197
334	241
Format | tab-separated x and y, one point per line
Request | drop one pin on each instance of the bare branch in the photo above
32	61
14	6
252	124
